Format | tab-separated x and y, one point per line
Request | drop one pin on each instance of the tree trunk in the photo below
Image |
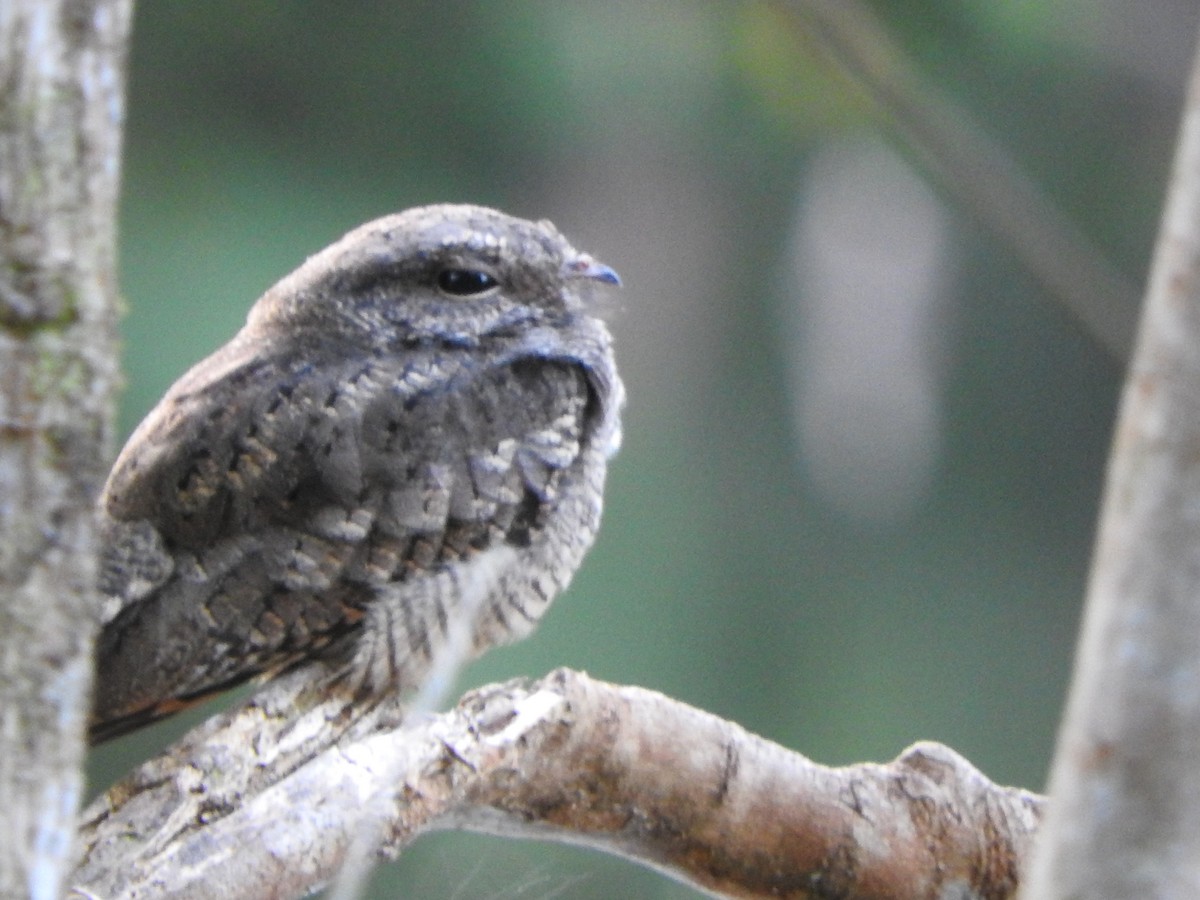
62	70
1124	816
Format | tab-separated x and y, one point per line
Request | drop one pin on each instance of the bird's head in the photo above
449	274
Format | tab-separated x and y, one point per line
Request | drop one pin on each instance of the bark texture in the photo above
62	76
260	803
1125	817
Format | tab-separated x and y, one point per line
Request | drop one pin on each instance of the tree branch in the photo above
620	769
1125	821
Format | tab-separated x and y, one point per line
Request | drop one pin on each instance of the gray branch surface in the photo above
261	803
1125	817
61	107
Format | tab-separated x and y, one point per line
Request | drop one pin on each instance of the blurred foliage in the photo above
671	139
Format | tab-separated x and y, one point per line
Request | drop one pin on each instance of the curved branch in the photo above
621	769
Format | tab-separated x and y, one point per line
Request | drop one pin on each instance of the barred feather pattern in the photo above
367	462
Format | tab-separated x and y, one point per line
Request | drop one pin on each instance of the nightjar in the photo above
412	428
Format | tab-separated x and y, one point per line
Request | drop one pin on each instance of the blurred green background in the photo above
864	447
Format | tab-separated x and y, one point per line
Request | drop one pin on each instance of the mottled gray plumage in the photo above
412	426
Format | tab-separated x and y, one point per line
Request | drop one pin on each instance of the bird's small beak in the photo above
583	266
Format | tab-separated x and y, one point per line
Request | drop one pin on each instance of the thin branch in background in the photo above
973	168
621	769
1125	821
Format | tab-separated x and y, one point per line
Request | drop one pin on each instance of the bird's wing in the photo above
280	497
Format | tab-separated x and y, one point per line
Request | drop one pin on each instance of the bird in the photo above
409	434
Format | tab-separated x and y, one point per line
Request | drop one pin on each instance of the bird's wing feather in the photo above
287	493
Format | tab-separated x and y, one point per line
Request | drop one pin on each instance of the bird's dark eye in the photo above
465	282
